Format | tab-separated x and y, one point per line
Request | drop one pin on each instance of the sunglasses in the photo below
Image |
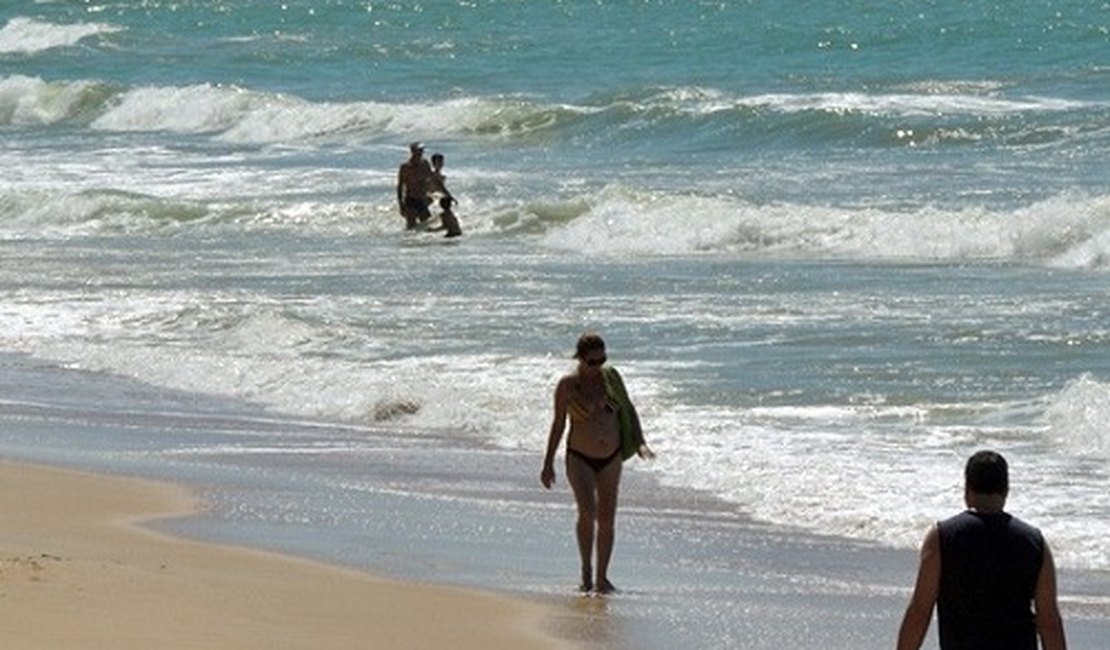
597	361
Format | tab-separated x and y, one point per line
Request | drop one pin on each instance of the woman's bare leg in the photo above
584	483
608	485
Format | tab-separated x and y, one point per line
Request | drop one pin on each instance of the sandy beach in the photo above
78	571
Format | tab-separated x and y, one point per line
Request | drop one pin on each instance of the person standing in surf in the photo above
604	431
414	179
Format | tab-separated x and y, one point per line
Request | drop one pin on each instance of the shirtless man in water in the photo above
414	179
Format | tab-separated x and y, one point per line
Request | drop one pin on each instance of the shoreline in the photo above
432	508
80	569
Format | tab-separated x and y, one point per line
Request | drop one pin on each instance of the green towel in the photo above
631	435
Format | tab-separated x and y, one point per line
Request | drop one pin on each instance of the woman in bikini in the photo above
594	452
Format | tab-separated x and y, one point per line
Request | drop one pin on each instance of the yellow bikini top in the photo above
580	409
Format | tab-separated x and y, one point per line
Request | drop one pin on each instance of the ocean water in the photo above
835	247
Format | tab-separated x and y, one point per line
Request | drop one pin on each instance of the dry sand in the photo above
78	573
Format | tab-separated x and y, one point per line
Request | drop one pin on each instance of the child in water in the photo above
449	221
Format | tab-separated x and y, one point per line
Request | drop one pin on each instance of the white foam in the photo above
241	115
192	109
930	99
44	214
263	352
873	473
815	473
30	101
622	221
417	393
1066	231
50	214
28	36
908	105
1078	414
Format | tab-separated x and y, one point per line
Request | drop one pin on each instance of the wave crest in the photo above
653	115
1066	231
38	214
244	116
28	36
29	101
1077	416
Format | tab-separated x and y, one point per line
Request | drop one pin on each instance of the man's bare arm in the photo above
1050	626
919	613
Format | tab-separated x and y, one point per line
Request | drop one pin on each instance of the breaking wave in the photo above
1077	416
242	115
29	36
1065	231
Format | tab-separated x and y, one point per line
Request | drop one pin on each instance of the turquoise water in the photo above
835	248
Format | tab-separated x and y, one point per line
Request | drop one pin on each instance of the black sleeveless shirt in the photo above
989	564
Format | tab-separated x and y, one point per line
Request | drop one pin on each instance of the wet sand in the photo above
78	571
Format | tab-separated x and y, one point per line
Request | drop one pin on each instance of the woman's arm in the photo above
642	449
555	435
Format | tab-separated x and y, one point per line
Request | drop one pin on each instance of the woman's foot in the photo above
586	587
605	587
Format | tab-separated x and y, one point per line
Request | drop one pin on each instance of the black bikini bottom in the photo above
596	464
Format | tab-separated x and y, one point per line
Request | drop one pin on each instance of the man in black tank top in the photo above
990	575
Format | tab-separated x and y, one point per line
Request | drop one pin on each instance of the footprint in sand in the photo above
29	567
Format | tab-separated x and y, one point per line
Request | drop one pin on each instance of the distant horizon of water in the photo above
834	250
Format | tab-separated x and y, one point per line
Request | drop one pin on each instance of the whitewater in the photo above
833	252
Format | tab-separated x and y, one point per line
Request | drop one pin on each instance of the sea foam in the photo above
1065	231
29	36
241	115
31	101
1078	414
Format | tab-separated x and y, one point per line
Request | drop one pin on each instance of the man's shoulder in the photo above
969	521
958	524
1023	526
422	167
959	516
